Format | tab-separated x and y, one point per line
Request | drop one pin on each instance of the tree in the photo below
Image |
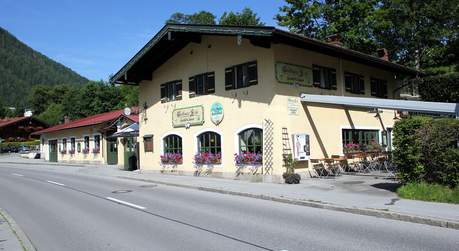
130	95
417	33
352	19
53	114
202	17
244	18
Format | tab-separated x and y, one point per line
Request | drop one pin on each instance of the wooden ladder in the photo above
286	149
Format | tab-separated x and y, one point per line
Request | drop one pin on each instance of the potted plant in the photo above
290	177
85	150
96	150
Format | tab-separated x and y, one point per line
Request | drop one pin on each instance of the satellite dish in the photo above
127	111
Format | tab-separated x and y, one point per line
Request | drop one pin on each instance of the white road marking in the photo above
17	174
125	203
55	183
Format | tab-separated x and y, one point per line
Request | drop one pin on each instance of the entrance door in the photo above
130	159
52	150
112	152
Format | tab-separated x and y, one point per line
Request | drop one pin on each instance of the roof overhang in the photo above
391	104
174	37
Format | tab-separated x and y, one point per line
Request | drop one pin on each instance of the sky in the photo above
96	38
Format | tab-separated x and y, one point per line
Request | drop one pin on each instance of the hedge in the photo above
426	150
8	145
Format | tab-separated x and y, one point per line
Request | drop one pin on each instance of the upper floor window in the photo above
240	76
324	77
251	141
378	88
202	84
171	91
354	83
172	144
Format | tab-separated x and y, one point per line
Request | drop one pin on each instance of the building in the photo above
20	128
208	94
88	140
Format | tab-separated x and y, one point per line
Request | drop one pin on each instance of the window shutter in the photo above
361	85
384	89
252	73
192	86
163	93
199	79
229	78
374	87
178	90
210	83
316	75
332	79
348	82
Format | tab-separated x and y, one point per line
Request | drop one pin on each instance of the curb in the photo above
23	239
314	204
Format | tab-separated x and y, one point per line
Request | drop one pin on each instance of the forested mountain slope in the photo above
21	68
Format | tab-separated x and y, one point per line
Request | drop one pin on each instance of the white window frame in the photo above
167	134
196	142
239	130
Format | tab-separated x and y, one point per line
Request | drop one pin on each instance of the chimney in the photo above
383	54
66	119
335	39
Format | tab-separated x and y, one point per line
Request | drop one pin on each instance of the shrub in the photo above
426	150
291	178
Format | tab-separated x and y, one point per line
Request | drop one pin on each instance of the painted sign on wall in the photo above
188	116
216	113
293	74
293	106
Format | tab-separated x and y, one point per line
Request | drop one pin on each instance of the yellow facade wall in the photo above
252	106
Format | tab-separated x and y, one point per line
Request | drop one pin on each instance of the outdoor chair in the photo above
319	168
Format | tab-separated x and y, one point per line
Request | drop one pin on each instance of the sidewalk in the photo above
354	194
11	237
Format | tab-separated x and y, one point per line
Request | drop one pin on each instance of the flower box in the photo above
247	158
95	150
171	159
63	151
72	151
207	158
85	150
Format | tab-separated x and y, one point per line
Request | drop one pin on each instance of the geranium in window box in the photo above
96	150
72	151
374	147
171	159
207	158
248	158
63	151
351	149
85	150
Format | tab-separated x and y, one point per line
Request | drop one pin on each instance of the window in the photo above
378	88
354	83
72	144
361	137
171	91
209	142
324	77
172	144
202	84
64	144
251	141
148	143
86	142
240	76
96	141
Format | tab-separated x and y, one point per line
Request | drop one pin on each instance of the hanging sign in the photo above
216	113
293	74
188	116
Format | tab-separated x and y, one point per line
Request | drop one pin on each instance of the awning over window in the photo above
130	131
393	104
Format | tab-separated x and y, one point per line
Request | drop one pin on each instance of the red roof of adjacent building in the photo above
10	121
93	120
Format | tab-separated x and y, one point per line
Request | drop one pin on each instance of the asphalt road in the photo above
60	211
